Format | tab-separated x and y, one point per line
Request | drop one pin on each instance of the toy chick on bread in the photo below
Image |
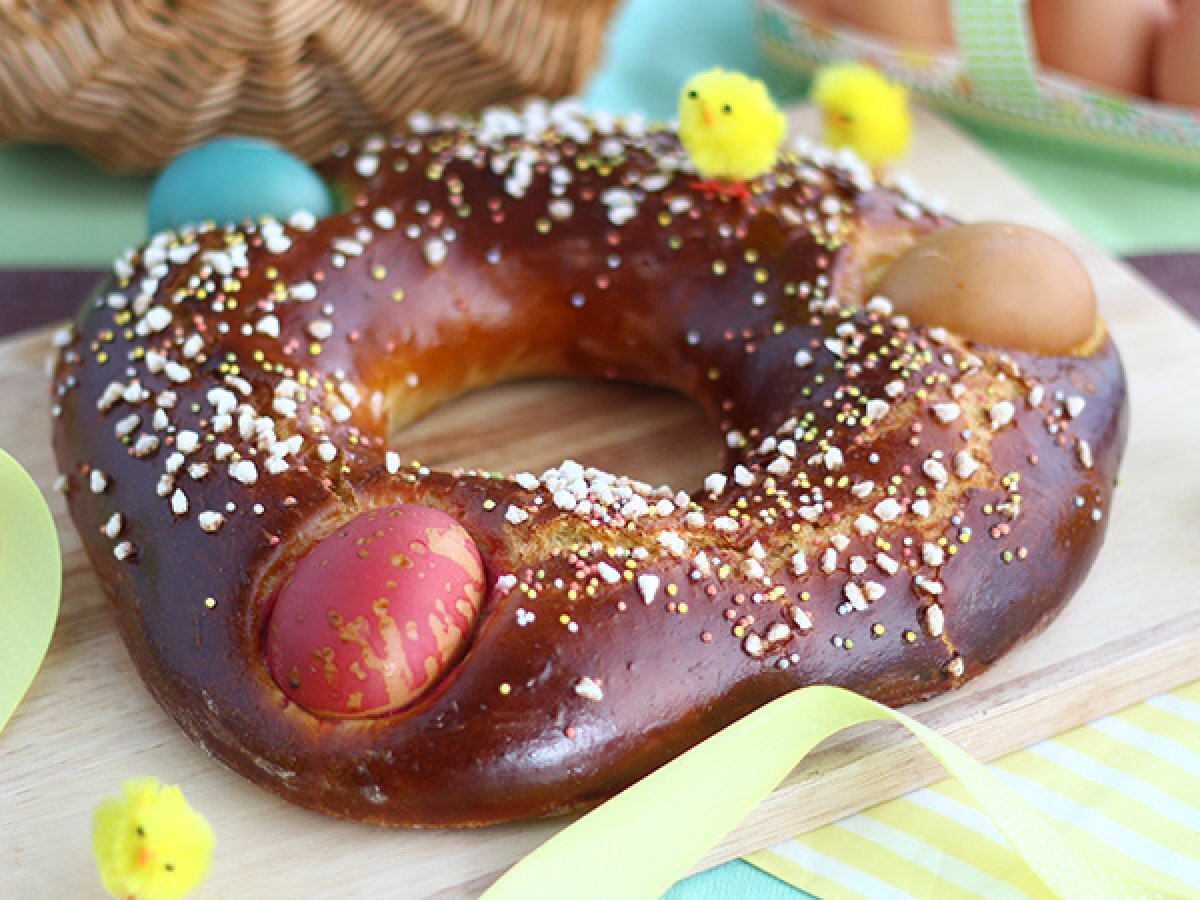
730	128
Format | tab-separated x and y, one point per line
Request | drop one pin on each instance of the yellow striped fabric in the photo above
1131	779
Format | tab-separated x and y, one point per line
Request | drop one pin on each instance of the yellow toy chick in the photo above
864	111
149	843
730	128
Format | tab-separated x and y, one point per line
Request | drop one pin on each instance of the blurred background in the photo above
1124	168
1092	102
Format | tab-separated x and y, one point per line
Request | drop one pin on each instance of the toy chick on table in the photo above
149	843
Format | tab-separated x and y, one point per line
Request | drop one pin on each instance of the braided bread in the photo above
900	505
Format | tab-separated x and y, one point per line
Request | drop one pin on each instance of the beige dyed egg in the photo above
1108	42
919	23
998	284
1177	61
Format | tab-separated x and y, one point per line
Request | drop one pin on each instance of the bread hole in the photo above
652	434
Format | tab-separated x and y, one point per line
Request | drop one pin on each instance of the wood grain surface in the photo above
1133	630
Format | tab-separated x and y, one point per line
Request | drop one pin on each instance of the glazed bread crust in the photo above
898	508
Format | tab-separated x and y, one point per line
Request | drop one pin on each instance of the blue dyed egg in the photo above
234	178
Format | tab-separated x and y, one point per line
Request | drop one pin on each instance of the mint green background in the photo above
58	209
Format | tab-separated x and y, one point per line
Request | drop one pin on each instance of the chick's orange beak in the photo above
835	120
707	115
145	856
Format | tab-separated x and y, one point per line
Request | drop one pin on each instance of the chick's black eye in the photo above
727	109
693	95
170	867
141	832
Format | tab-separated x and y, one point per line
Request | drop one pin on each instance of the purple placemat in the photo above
30	297
1175	274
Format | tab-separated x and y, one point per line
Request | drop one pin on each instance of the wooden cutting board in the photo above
1133	630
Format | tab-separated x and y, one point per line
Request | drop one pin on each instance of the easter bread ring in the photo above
900	505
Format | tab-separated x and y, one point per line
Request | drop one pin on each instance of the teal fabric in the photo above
655	45
736	880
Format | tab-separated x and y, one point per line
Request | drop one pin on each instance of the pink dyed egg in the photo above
375	613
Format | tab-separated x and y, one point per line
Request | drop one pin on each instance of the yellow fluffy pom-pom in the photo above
149	843
729	125
864	111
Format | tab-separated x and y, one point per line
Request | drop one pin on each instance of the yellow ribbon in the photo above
647	837
30	583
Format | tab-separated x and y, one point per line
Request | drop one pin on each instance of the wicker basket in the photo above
134	82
